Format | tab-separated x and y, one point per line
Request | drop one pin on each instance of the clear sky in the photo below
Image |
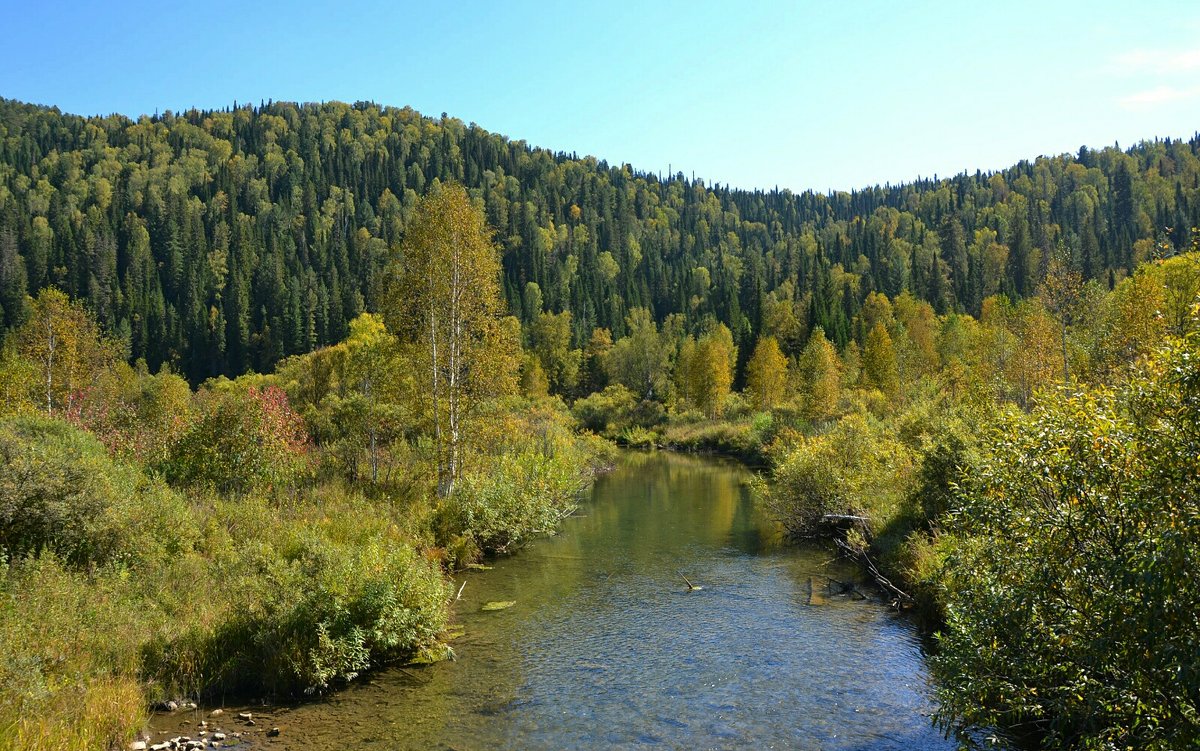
821	95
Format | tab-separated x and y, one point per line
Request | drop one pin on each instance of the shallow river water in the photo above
606	647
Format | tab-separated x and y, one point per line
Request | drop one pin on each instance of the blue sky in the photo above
820	95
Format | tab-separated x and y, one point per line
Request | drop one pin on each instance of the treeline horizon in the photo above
221	241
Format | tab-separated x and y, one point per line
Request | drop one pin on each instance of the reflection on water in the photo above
606	648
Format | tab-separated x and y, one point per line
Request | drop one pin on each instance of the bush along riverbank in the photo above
274	536
1053	550
119	591
1048	542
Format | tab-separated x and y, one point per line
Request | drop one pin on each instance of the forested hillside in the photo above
222	241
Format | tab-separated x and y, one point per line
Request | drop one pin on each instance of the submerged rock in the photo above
499	605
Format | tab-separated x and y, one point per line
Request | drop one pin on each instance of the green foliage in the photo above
766	374
879	366
946	469
516	498
243	439
443	298
358	399
136	415
70	648
1073	601
222	241
606	412
818	378
324	592
296	597
1050	542
62	349
743	438
533	379
550	340
61	493
519	486
641	361
704	369
857	467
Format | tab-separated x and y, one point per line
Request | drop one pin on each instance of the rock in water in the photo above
499	605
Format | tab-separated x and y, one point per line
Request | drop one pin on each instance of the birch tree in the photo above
766	374
445	300
63	342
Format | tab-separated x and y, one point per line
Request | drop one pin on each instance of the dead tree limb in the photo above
902	597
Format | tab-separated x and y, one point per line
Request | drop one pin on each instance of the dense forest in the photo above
220	242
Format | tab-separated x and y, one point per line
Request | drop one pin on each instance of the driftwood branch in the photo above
901	596
839	519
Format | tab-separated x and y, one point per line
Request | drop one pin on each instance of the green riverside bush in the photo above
61	492
1073	600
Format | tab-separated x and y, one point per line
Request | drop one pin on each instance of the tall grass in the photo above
116	591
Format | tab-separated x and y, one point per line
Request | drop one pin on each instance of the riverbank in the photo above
1050	546
120	592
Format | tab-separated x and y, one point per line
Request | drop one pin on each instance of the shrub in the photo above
243	439
615	409
60	492
517	497
69	655
607	411
1073	601
637	437
721	437
312	597
137	416
855	468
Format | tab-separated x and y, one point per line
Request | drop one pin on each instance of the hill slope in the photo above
223	241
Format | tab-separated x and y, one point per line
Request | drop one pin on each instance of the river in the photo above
606	647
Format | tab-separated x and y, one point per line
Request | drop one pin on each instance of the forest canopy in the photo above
220	242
